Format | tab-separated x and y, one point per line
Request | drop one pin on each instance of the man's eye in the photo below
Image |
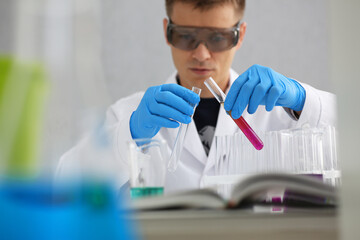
217	38
186	36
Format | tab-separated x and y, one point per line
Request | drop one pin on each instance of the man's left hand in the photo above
263	86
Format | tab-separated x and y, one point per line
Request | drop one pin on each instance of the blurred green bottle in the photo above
23	88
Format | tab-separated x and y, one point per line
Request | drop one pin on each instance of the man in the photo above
204	37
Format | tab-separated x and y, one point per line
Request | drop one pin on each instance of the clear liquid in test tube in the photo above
179	141
240	122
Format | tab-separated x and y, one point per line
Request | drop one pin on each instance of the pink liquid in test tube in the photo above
240	122
248	132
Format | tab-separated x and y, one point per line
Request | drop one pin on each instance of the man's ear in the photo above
242	35
165	23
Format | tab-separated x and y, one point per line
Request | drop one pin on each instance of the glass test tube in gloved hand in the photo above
242	124
179	141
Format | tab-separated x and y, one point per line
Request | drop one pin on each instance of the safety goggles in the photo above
215	39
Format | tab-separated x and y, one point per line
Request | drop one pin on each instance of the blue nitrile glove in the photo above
263	86
162	106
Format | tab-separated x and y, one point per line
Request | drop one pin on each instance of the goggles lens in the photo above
215	39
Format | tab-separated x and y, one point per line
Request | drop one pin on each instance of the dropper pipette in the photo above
240	122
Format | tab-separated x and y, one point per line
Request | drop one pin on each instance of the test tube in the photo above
240	122
179	140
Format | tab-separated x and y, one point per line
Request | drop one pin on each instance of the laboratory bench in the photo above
238	224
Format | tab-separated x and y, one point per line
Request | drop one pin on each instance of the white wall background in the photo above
6	26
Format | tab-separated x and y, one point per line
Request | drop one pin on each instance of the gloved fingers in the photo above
173	101
168	112
258	95
234	90
273	96
184	93
262	89
245	93
163	122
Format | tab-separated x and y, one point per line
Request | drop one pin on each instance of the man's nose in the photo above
201	53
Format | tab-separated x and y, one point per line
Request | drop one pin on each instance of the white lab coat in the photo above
319	110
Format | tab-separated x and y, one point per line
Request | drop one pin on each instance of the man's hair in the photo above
204	5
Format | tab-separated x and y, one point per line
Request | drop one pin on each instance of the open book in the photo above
275	189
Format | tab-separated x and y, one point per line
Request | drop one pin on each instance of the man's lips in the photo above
201	71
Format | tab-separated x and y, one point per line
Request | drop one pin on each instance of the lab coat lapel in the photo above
192	142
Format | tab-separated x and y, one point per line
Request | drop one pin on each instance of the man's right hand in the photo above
162	106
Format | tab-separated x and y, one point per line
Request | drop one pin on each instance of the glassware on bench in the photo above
147	159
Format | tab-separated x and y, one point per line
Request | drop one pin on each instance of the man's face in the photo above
195	66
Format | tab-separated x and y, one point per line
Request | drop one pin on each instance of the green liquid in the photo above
139	192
